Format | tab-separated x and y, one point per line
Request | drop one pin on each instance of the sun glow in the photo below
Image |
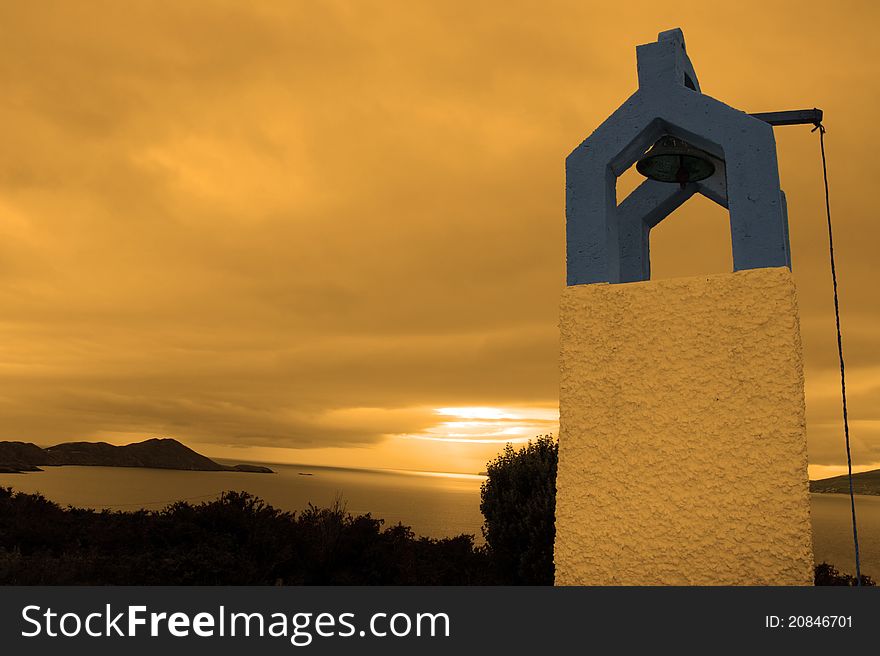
489	425
475	413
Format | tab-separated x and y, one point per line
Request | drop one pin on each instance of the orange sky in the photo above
300	230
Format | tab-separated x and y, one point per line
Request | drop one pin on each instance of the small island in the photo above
157	453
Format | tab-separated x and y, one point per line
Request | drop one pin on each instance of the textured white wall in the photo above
682	452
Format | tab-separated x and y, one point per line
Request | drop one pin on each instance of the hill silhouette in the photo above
863	483
157	453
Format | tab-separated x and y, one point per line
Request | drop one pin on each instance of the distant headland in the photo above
863	483
157	453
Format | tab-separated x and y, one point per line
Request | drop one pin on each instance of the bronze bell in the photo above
674	160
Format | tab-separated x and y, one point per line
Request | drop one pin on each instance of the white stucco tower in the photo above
682	452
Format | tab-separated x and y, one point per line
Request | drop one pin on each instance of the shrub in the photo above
827	574
518	502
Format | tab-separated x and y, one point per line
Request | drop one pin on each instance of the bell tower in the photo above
682	452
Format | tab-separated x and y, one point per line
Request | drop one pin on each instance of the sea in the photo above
434	504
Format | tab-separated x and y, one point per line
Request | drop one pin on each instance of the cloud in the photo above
309	225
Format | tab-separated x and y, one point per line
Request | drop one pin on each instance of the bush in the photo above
236	539
827	574
518	502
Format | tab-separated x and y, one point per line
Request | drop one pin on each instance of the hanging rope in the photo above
852	498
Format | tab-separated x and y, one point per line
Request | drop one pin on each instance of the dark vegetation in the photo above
238	539
827	574
518	502
234	540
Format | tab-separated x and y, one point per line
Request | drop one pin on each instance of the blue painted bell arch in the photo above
610	242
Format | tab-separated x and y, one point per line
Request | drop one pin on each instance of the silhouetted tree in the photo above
518	502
